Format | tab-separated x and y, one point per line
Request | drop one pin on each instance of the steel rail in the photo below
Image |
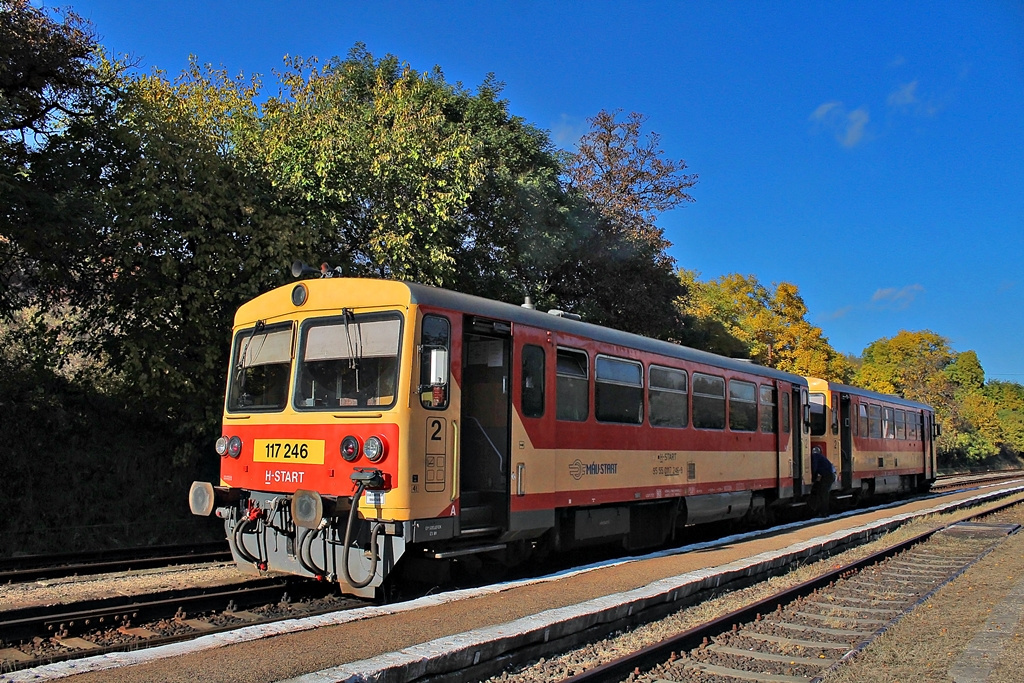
652	655
35	567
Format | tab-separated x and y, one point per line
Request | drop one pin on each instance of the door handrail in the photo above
455	460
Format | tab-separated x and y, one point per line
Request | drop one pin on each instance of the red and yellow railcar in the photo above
370	424
877	443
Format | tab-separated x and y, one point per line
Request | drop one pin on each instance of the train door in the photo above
846	419
486	418
799	421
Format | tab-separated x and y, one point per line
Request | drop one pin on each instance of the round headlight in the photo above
222	445
299	294
234	447
374	448
350	448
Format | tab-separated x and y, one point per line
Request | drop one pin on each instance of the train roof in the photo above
498	310
817	383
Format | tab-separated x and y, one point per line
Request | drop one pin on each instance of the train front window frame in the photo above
348	362
618	390
572	385
668	397
742	406
261	364
708	401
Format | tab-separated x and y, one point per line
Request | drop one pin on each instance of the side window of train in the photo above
742	406
901	424
618	390
912	419
785	412
875	421
862	420
768	416
708	401
572	401
435	345
533	381
669	402
888	428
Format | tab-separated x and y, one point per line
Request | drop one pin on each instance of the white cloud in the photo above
896	298
903	96
823	110
848	127
856	121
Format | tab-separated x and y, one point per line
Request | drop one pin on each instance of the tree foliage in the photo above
736	315
977	420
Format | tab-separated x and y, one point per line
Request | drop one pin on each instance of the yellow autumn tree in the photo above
736	315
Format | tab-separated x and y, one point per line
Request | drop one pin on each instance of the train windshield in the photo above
262	364
349	361
818	421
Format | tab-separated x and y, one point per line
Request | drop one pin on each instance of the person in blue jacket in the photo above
823	474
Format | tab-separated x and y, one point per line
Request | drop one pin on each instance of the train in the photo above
379	428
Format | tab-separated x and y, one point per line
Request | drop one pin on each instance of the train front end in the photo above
312	443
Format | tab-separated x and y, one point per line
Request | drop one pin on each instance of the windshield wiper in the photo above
240	368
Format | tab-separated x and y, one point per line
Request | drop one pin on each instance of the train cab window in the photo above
818	420
768	416
901	424
572	400
261	370
862	420
533	381
708	401
912	431
785	413
742	406
618	390
888	426
669	402
435	345
348	362
875	421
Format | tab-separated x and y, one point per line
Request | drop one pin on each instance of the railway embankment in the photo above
509	623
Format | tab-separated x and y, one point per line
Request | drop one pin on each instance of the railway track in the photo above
37	635
36	567
30	637
799	634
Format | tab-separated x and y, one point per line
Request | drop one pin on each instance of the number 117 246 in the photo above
296	451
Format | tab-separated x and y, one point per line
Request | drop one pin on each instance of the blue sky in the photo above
870	153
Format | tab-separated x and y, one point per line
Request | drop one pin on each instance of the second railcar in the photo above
878	443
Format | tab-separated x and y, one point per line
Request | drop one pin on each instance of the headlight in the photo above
234	447
374	448
350	448
222	446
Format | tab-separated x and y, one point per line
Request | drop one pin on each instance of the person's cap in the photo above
816	450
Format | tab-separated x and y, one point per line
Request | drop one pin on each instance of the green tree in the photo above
741	317
154	231
383	174
910	364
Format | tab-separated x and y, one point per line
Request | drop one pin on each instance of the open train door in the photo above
486	426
